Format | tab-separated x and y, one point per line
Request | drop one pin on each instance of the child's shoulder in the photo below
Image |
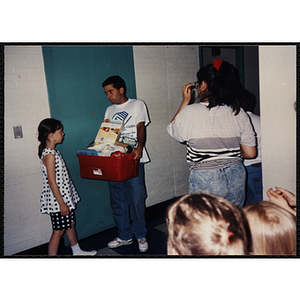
48	151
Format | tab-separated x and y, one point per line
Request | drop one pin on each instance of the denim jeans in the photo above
254	185
228	182
127	198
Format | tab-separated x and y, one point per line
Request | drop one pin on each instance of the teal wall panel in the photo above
74	75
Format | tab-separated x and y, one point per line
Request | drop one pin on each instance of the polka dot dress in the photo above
67	189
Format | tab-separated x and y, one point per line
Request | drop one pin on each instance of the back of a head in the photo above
229	75
203	224
223	85
273	229
229	85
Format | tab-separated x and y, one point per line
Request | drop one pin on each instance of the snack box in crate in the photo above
109	132
118	167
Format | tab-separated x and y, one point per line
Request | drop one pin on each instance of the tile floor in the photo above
156	237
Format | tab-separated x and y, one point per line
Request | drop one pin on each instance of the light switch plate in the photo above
18	132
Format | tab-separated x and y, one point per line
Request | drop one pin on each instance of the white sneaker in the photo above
143	244
93	252
117	242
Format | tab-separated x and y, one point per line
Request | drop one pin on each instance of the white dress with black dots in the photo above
67	189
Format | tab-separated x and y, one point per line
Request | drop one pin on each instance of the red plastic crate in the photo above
113	168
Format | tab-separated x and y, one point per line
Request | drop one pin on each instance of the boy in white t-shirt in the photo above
131	193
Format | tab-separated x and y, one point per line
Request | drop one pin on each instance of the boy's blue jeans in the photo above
229	183
127	198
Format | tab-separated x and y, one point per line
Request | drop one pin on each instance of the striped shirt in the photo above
213	136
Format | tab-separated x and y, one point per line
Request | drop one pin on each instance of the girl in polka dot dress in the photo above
59	196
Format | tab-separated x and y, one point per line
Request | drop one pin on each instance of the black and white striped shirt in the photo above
213	136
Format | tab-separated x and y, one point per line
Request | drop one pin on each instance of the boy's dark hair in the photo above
117	82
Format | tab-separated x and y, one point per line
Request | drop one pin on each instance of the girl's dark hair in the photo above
223	85
209	74
46	127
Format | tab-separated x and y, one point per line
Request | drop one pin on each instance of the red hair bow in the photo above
217	63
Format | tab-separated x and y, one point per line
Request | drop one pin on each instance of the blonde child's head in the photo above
273	229
203	224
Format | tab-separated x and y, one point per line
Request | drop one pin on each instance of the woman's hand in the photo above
186	93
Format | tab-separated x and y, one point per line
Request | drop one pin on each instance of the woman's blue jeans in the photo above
127	198
228	182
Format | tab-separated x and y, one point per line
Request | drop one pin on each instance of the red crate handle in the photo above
121	154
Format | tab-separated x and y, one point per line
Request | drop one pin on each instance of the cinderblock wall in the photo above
26	104
161	72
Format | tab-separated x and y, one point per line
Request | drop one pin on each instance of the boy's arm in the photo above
141	137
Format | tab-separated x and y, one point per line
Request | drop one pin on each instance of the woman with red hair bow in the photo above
217	132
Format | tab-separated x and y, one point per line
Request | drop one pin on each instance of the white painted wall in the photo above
161	72
26	104
277	73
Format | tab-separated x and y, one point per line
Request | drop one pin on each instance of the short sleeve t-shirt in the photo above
132	112
66	187
213	136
